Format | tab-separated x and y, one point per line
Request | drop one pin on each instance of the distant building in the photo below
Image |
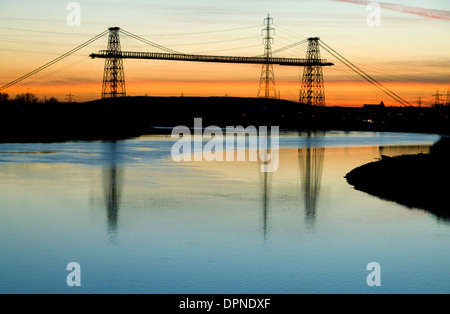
369	106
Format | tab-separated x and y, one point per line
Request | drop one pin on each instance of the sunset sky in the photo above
409	52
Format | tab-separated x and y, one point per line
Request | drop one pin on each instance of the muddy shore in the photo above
416	181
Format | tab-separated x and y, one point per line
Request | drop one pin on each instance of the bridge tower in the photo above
113	73
267	80
312	90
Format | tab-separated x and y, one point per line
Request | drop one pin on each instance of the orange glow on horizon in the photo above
83	79
347	94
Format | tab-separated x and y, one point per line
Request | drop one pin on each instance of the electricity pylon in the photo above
267	80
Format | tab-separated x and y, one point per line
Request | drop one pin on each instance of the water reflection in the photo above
266	180
311	167
112	187
202	227
403	150
310	162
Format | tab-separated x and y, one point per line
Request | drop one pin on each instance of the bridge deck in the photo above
206	58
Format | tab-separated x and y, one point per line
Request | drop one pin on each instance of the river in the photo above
136	221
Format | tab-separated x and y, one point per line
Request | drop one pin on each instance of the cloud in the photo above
428	13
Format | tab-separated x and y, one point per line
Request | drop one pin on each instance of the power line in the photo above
34	43
31	52
289	32
148	42
290	46
41	32
214	42
229	49
204	32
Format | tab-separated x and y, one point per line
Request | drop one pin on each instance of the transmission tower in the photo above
312	91
437	100
70	97
113	74
267	80
447	101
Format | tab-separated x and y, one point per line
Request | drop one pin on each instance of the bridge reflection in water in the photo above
310	161
311	166
112	190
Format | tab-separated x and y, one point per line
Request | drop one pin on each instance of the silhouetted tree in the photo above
52	100
27	97
4	97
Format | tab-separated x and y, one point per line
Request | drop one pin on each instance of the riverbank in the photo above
416	181
128	117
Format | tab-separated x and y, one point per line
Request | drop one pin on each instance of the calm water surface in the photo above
138	222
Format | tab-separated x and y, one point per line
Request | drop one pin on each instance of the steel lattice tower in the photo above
312	90
447	101
267	80
113	74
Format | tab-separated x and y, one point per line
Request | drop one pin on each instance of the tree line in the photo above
27	98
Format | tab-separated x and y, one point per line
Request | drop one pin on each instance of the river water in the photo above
138	222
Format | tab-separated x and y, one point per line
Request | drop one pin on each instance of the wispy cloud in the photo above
429	13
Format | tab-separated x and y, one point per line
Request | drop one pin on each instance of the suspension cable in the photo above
287	47
148	42
41	68
364	75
